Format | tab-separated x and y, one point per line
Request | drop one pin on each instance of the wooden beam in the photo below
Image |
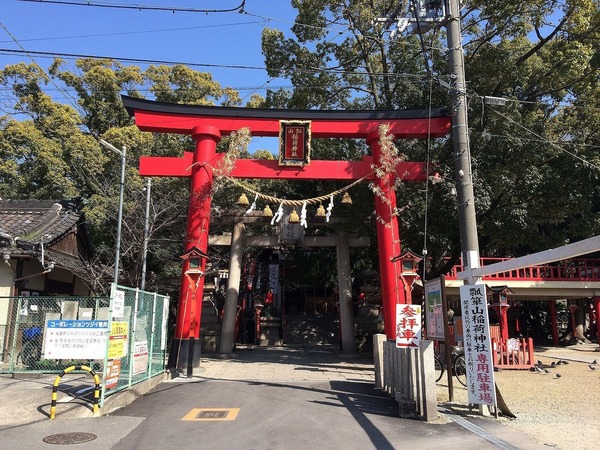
536	259
173	166
273	241
175	118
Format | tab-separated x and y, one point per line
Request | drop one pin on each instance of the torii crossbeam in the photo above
207	124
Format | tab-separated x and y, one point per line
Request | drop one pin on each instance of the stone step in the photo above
308	330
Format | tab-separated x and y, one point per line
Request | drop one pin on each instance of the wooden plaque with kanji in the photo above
294	142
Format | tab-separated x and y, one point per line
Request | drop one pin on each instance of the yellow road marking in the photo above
211	414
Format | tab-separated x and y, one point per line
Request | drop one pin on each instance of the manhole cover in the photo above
212	414
69	438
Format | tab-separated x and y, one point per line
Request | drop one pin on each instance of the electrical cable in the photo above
220	66
138	7
68	97
546	140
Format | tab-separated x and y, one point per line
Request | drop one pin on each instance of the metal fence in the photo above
137	347
23	322
130	326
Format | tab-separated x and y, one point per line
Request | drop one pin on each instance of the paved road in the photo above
268	399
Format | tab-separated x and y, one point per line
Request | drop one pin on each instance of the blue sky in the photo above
215	39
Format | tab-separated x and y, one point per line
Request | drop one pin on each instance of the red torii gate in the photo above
207	124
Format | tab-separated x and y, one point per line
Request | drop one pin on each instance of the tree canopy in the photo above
534	161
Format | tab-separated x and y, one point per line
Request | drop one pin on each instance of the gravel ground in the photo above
559	409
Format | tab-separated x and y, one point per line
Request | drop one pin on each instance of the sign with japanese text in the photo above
75	339
140	357
434	313
294	142
113	372
408	325
165	320
478	350
117	345
118	308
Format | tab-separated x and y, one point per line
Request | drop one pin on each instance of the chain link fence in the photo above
23	322
137	347
123	337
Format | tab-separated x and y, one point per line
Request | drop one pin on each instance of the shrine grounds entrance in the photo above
296	128
273	310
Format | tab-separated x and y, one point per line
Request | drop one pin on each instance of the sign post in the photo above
436	317
478	350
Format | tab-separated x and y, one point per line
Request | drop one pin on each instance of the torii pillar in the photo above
388	242
187	329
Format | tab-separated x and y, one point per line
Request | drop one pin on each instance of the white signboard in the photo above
165	321
118	304
408	325
140	357
434	314
478	349
75	339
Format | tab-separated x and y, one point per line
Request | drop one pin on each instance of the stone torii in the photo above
207	124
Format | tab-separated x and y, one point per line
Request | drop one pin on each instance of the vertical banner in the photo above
408	325
274	277
478	349
434	313
164	324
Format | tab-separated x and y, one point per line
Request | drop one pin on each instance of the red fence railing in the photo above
567	270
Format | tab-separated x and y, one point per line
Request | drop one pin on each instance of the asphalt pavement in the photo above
260	398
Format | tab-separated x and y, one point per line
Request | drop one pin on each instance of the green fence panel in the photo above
24	327
136	349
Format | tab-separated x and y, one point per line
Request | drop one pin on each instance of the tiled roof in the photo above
25	223
32	220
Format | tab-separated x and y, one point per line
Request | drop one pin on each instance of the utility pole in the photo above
146	231
424	15
467	221
122	154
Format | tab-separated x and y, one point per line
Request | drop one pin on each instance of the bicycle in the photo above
31	352
459	366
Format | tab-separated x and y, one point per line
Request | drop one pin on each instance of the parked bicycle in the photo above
31	352
459	367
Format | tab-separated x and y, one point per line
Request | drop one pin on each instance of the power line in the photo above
193	64
559	147
138	7
545	141
68	97
121	33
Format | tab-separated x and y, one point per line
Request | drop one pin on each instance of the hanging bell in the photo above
267	211
243	200
346	199
320	211
294	217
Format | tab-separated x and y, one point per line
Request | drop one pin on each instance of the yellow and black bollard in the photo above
71	369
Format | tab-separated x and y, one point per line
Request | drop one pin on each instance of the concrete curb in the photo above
127	396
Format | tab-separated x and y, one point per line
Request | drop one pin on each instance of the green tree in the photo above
541	56
50	150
